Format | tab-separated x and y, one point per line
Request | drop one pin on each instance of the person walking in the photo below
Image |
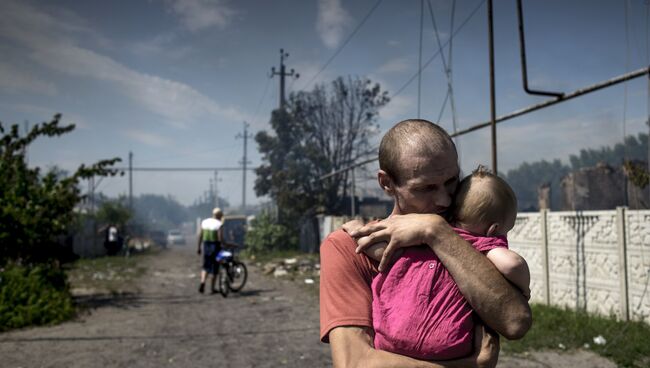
210	238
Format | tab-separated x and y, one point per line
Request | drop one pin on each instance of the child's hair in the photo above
480	205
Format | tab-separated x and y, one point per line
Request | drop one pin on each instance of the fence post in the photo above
546	278
622	261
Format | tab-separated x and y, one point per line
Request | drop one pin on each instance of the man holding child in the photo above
419	170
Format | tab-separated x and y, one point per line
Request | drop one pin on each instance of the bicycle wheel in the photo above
224	283
238	276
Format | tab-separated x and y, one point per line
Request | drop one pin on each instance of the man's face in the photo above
427	184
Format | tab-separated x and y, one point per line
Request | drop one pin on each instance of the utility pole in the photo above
216	190
131	181
282	73
352	199
211	197
244	162
493	112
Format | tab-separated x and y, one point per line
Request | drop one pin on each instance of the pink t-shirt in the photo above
417	309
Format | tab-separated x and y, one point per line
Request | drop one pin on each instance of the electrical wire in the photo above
259	104
420	56
354	32
410	80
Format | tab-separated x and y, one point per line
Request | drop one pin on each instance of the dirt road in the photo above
271	323
169	324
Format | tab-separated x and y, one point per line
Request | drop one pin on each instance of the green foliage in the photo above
33	296
627	342
266	235
320	131
114	212
37	208
637	173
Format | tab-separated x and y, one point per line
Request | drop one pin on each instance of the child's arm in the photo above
513	267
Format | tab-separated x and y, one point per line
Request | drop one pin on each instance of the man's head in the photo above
485	204
217	213
418	167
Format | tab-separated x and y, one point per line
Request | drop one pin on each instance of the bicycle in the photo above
232	273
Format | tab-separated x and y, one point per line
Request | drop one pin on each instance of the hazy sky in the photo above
174	80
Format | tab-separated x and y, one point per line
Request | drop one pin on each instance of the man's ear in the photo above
493	229
385	182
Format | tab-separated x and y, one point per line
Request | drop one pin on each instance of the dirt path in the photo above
271	323
169	324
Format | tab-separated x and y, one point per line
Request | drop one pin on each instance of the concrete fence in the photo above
598	261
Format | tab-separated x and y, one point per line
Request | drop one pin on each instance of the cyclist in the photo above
210	236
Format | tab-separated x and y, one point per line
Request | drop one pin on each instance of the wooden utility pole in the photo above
282	73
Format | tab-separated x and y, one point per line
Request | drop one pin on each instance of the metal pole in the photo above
244	163
529	109
352	201
522	52
243	190
566	97
131	180
216	190
492	89
282	74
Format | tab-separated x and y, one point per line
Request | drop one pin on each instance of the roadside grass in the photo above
627	343
107	275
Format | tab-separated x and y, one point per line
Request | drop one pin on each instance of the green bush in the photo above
33	296
265	235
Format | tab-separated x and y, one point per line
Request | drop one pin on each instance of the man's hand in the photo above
352	225
398	231
486	346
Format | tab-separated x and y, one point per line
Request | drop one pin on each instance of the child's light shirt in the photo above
417	309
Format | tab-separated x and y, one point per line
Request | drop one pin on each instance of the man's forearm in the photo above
352	347
499	304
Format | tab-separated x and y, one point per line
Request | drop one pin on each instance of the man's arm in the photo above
513	267
499	304
352	347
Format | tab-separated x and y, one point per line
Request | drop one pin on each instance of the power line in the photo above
374	7
420	56
471	15
165	169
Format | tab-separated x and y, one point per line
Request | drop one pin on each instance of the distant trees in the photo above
114	212
529	176
37	208
321	131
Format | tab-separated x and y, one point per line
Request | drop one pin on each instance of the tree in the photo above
114	212
321	131
36	208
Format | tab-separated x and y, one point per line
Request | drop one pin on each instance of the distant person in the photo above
112	239
417	308
210	237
